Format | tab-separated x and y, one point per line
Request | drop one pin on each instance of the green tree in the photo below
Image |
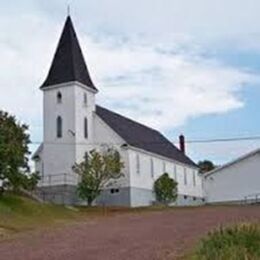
206	166
14	152
96	171
165	189
30	181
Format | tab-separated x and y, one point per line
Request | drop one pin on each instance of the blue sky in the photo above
185	66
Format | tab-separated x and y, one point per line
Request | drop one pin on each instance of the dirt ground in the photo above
150	235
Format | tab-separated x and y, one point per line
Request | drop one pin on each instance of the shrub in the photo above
239	242
165	189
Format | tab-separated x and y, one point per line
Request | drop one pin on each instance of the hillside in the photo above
19	213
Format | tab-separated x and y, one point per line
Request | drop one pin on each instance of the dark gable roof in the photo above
141	136
68	63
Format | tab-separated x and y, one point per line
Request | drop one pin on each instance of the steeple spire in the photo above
68	63
68	10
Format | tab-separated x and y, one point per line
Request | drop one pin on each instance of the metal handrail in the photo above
252	198
55	179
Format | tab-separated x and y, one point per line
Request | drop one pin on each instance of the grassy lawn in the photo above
19	213
238	242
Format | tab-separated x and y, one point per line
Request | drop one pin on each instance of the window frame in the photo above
164	167
194	178
85	127
85	99
59	127
137	158
175	172
152	167
59	97
185	176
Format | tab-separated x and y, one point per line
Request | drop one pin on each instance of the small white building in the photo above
235	182
74	124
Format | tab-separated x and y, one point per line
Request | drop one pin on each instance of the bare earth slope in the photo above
151	235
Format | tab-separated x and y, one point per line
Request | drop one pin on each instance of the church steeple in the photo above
68	63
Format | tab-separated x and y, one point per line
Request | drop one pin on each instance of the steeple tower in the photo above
68	64
68	108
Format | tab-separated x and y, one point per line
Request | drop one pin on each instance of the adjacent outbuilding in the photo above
235	182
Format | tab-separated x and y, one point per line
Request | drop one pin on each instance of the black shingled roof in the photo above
68	63
143	137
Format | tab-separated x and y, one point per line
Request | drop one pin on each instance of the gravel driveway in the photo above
153	235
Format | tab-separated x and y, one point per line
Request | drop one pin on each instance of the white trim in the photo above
233	162
68	84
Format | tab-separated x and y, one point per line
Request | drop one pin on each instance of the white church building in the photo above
74	124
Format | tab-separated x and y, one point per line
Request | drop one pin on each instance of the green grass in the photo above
238	242
19	213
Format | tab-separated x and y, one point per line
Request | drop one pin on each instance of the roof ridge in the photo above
231	162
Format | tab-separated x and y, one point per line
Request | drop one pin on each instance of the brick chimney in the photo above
182	143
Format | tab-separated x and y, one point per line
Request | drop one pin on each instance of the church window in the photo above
59	97
152	167
175	172
185	176
85	99
85	127
194	178
164	167
59	127
137	163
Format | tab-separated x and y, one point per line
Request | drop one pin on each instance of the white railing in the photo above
58	179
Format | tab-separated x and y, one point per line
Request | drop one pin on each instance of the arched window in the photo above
185	176
85	99
59	127
137	164
152	167
59	97
85	127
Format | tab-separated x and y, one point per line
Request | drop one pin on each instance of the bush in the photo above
239	242
165	189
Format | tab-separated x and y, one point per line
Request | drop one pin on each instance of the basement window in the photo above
114	191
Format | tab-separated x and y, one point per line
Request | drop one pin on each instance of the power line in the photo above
248	138
195	141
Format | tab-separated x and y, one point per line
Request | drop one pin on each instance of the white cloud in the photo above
149	82
163	89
